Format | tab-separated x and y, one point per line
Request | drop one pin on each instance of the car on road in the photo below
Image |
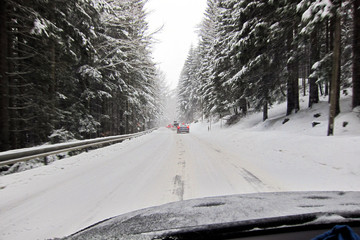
175	124
183	128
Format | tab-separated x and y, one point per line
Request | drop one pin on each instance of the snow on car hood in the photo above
225	210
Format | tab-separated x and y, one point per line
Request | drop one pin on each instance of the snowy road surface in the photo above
161	167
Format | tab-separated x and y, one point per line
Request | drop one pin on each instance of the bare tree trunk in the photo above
293	78
53	82
314	92
127	119
290	89
356	55
327	50
265	111
305	70
296	86
335	73
304	86
4	80
314	55
332	47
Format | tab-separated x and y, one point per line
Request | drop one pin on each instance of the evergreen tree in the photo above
80	67
356	54
254	52
207	35
335	69
4	79
188	88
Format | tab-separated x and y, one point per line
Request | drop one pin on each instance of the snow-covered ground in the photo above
161	167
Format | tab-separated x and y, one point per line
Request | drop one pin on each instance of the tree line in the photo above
74	69
256	53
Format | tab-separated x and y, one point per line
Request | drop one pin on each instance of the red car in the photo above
183	128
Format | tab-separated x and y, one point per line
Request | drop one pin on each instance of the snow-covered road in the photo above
161	167
158	168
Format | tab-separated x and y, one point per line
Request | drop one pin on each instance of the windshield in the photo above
108	107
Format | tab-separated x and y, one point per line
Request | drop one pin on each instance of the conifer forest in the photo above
74	69
257	53
78	69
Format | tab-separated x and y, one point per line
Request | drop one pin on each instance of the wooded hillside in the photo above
74	69
256	53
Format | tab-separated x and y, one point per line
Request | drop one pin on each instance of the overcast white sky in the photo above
180	19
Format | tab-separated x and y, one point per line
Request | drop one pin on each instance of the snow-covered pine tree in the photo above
356	54
78	80
317	30
336	65
188	88
4	79
207	31
220	100
257	51
287	27
30	59
126	64
79	66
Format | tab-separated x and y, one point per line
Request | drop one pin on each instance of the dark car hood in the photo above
249	211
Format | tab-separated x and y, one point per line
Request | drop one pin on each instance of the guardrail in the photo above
20	155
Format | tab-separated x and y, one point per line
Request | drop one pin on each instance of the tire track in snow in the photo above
179	185
232	162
